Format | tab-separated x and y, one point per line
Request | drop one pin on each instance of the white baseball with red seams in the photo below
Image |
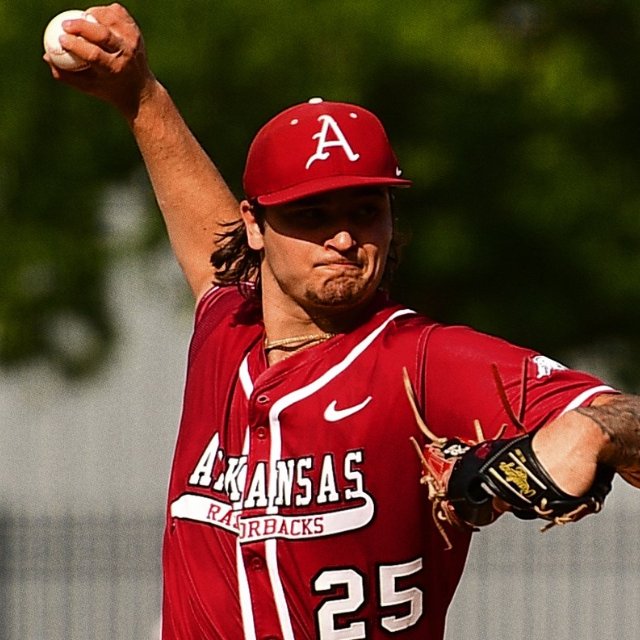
59	56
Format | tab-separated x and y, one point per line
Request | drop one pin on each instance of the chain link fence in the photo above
98	578
576	582
80	578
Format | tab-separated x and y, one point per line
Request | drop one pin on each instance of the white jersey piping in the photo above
276	451
246	607
580	399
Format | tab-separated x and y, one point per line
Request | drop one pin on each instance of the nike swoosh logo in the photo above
331	414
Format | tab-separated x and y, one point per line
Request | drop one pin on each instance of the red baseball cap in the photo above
318	146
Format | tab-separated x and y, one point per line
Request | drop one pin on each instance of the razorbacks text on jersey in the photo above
295	509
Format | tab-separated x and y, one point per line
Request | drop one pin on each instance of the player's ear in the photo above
252	225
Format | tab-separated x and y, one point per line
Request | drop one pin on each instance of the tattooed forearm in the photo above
619	420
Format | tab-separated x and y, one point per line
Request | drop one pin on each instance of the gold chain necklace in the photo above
300	341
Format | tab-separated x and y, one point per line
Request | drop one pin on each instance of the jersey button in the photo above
256	563
262	399
261	432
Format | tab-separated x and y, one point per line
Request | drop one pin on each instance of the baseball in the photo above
61	58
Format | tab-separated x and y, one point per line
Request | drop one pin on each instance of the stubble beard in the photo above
340	292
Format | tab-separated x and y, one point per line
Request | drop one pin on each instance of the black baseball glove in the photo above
465	477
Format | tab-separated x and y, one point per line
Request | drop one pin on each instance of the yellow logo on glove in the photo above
517	476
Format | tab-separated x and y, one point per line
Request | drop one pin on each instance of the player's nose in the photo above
341	240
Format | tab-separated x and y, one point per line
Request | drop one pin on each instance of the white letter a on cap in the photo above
328	123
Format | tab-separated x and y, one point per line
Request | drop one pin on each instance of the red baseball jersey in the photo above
295	509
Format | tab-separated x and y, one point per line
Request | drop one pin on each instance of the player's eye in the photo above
309	217
366	211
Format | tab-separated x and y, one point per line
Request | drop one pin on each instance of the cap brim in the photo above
322	185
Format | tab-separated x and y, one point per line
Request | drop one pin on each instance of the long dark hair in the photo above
237	264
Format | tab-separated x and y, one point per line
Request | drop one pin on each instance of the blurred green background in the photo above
518	122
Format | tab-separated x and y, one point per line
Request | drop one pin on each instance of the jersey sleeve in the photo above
222	300
207	302
460	385
223	313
